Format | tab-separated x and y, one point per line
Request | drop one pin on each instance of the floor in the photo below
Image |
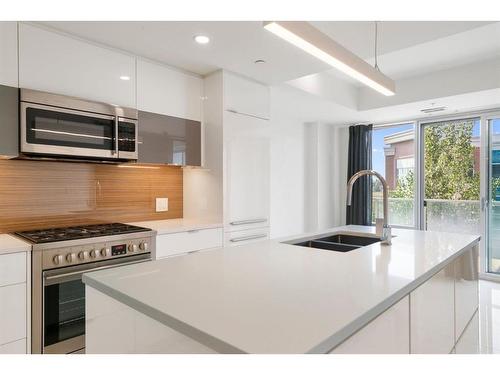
489	316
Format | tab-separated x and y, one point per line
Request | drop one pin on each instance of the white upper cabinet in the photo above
247	97
167	91
52	62
8	53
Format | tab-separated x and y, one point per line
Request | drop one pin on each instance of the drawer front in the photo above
12	268
246	236
16	347
184	242
12	313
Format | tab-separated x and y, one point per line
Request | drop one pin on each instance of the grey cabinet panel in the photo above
169	140
9	121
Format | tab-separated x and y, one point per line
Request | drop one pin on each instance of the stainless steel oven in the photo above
63	300
59	258
56	125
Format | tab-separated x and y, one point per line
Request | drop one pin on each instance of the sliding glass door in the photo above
492	202
451	168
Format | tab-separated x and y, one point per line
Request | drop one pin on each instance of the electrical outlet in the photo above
161	204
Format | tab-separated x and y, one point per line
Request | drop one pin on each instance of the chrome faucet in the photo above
383	230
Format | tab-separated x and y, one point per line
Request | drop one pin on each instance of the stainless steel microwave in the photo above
63	126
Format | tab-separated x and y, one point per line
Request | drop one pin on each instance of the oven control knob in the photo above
95	254
105	252
58	259
83	255
132	248
71	257
143	246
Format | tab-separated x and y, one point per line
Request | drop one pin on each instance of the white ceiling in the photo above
408	48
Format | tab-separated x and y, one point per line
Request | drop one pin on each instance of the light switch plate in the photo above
161	204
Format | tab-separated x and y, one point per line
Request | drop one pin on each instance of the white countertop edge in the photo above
324	347
14	244
171	322
170	226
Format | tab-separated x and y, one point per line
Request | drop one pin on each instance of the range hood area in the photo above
47	126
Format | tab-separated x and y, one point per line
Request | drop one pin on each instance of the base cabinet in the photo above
432	309
15	347
468	343
115	328
186	242
389	333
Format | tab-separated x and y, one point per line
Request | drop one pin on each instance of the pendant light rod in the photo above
306	37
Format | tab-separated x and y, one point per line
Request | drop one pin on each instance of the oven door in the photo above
64	305
59	131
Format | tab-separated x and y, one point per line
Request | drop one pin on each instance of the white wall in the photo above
308	163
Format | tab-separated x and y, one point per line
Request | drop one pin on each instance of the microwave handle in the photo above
116	135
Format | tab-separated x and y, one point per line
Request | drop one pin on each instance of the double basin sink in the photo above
338	242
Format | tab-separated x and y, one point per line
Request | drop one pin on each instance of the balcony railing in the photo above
462	216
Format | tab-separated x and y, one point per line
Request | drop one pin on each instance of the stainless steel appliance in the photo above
59	258
56	125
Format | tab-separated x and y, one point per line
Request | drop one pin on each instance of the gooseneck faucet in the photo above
383	231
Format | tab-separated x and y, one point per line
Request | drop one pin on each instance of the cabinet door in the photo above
466	289
169	140
185	242
389	333
12	313
468	343
15	347
9	121
247	148
8	53
247	97
167	91
432	311
52	62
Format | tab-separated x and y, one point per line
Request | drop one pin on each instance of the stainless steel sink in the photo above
337	242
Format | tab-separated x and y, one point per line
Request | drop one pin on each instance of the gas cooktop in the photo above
74	233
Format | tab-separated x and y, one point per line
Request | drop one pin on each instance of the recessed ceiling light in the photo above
125	78
201	39
260	61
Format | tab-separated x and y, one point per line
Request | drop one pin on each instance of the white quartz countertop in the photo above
271	297
177	225
10	244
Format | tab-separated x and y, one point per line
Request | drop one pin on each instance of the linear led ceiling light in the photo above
306	37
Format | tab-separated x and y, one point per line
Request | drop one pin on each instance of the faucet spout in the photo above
385	233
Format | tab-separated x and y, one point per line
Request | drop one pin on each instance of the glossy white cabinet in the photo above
244	237
185	242
468	343
12	313
8	53
115	328
247	188
432	312
466	289
15	347
246	96
13	268
53	62
15	302
389	333
167	91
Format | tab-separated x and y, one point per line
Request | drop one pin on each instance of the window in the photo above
393	157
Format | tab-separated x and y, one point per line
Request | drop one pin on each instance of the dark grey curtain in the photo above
360	158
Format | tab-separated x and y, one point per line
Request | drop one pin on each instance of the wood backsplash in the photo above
43	194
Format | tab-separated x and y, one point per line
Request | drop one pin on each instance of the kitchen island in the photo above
418	295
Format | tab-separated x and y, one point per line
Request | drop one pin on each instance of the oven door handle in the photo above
69	276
